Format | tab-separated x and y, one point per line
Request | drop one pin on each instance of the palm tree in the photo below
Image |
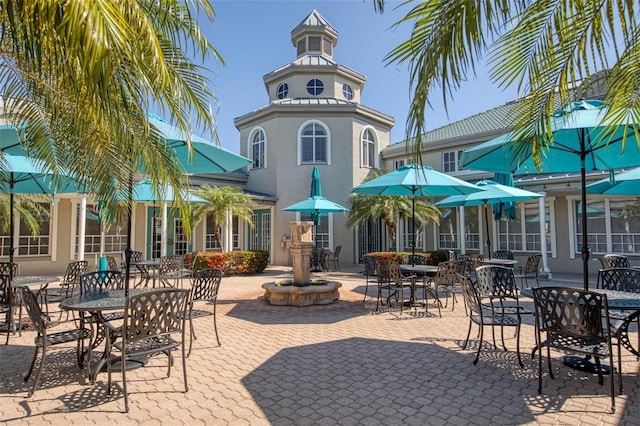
540	46
220	200
366	207
32	211
83	74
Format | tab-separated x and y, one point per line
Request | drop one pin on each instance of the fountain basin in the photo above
281	294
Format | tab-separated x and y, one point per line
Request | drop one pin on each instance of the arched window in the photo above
368	149
314	144
257	149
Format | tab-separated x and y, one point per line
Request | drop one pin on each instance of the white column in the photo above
82	225
163	231
543	236
461	232
227	232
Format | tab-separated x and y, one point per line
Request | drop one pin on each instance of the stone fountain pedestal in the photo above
301	290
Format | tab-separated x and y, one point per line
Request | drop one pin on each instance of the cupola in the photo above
314	36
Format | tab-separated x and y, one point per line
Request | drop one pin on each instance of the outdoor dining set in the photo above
130	321
579	321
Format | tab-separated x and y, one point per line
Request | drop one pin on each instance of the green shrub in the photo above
433	257
232	262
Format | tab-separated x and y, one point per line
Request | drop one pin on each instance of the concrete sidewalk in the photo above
341	364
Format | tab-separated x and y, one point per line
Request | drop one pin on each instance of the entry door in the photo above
180	242
260	234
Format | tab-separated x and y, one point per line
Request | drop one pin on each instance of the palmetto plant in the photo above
374	207
220	200
82	75
32	212
540	46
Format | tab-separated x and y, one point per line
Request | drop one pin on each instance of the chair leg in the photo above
33	363
366	288
466	341
479	344
215	324
42	361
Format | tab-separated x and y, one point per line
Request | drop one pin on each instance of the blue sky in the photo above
254	38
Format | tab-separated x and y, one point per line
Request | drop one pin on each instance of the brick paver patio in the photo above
335	364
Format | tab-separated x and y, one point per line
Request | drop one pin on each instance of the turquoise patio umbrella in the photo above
493	193
415	181
203	157
625	183
316	204
195	154
22	175
582	138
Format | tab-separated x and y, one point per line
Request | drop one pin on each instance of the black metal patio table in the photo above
419	271
96	304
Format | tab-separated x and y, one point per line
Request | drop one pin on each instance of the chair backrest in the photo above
4	291
498	281
136	256
383	268
533	262
471	296
452	255
99	281
621	279
369	265
615	261
206	285
447	271
155	313
37	317
112	264
571	311
414	259
503	254
395	273
74	270
476	260
190	260
171	263
336	251
7	267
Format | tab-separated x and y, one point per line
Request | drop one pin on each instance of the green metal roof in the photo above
491	121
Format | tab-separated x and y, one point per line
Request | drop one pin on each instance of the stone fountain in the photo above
301	290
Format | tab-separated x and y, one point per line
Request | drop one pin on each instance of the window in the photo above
258	150
347	91
313	144
28	244
613	226
450	161
407	235
448	229
315	87
523	233
397	164
283	90
115	236
321	233
368	149
314	43
211	236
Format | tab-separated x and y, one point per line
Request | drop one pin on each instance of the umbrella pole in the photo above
413	225
486	222
583	195
10	278
127	253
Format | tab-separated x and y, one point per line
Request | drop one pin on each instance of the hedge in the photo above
433	257
231	262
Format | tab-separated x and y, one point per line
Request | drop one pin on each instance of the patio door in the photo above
260	234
